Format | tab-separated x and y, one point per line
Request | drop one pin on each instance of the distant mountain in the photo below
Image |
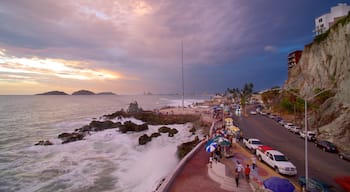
106	93
53	93
83	92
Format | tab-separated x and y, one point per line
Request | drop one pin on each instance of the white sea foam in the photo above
103	157
103	161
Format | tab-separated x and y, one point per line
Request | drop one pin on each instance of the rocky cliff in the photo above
325	64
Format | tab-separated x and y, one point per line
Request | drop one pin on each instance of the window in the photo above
320	20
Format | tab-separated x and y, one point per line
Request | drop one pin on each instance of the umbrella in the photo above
222	141
277	184
210	148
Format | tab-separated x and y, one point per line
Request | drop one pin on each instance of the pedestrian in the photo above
236	176
210	161
240	169
253	162
247	173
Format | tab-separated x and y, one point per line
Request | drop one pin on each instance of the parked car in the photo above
276	160
278	119
288	126
311	135
315	185
263	113
345	156
295	129
282	122
252	112
326	146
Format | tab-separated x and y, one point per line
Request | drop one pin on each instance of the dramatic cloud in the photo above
135	46
270	48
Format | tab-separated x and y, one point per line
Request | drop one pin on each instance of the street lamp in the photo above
306	135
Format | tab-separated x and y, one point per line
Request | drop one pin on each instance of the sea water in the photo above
103	161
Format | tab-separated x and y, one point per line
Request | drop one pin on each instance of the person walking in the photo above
253	162
236	174
247	173
240	169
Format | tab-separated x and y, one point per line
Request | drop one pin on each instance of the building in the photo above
324	22
293	58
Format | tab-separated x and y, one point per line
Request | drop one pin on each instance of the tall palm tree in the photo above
243	94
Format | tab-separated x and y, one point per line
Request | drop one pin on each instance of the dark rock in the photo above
85	128
142	127
44	142
193	130
63	135
170	134
70	137
102	125
164	129
185	148
156	134
144	139
130	126
173	131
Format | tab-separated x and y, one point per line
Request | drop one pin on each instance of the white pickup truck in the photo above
276	160
252	144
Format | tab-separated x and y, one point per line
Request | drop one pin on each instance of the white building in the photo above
324	22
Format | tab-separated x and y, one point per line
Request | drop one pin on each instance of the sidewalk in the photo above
194	176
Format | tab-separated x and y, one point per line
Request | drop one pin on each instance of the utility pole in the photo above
183	78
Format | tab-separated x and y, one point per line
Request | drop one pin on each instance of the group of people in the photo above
239	172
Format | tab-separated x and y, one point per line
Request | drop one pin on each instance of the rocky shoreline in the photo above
162	117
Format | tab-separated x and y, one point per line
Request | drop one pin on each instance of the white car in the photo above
252	112
288	126
295	129
277	161
311	135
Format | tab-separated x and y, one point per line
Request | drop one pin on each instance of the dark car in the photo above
315	185
345	156
326	146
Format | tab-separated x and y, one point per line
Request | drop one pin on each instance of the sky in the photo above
134	46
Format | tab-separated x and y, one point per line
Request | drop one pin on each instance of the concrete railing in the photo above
169	180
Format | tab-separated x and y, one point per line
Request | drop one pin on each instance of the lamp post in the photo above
306	135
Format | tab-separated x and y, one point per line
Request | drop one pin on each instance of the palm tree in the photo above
243	94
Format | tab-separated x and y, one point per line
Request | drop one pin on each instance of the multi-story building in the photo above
324	22
293	58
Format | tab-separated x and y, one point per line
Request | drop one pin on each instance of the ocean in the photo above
103	161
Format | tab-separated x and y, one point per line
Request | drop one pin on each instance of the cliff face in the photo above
326	65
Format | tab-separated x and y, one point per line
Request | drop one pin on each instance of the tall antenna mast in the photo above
183	79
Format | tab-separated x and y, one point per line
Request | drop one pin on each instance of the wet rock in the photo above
164	129
130	126
102	125
173	131
144	139
44	142
70	137
156	134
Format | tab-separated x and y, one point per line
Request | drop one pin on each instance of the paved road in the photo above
322	165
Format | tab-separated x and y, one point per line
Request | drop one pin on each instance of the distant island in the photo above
106	93
80	92
83	92
53	93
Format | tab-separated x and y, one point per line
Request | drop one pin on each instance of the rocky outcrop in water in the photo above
44	142
130	126
70	137
325	65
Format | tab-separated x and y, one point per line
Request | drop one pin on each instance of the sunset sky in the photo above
132	47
